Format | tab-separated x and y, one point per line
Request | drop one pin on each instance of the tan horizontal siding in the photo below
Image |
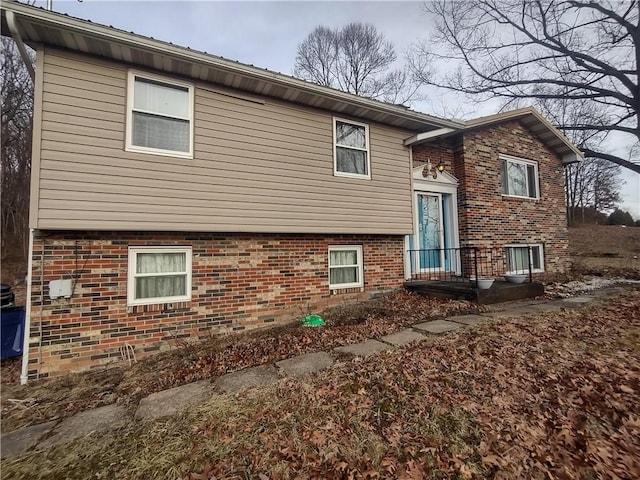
162	223
182	199
259	164
74	188
160	180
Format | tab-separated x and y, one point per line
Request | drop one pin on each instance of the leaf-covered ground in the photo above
551	396
187	362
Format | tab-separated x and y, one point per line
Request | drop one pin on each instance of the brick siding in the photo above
239	282
486	217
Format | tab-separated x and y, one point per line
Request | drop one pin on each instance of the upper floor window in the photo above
519	177
159	116
351	149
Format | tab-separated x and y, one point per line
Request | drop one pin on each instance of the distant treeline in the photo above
590	216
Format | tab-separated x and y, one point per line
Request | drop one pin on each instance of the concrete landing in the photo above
363	349
173	401
437	326
403	337
247	378
305	364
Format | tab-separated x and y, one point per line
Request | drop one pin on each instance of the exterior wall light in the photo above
429	171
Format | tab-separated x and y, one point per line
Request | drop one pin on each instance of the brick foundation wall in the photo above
487	218
239	282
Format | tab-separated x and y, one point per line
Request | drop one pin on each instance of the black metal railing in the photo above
443	264
468	264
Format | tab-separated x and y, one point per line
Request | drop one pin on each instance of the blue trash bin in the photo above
12	331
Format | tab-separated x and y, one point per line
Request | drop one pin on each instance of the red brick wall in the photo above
486	217
240	281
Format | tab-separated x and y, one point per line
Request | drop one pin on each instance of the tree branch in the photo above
612	158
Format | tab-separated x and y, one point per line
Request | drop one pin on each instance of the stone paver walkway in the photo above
178	399
247	378
363	349
402	338
438	326
305	364
173	401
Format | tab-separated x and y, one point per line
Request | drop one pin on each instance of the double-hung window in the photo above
520	258
351	149
519	177
159	275
159	116
345	266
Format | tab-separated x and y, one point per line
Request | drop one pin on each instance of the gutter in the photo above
24	375
15	34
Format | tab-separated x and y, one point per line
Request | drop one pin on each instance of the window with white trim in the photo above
521	257
159	275
345	266
351	149
519	177
159	115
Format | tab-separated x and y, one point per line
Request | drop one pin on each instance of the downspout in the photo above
24	376
15	34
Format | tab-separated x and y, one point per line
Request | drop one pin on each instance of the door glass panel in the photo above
430	231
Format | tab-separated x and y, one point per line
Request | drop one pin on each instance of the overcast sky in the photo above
266	34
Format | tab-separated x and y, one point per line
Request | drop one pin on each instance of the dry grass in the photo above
606	250
61	397
553	396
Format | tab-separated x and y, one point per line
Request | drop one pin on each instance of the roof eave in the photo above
564	146
156	47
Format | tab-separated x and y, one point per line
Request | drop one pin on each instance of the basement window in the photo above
345	267
159	275
521	257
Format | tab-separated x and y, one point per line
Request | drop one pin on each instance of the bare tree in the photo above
16	129
355	59
582	52
591	186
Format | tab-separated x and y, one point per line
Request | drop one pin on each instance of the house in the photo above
176	194
501	209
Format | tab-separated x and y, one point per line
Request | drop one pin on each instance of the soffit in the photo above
39	26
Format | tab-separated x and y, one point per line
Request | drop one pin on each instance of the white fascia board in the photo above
421	137
572	157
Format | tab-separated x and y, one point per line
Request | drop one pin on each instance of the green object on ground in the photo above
312	321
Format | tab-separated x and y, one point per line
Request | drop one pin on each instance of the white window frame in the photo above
132	275
170	82
526	245
360	265
338	173
522	161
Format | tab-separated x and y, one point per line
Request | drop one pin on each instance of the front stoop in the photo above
499	292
